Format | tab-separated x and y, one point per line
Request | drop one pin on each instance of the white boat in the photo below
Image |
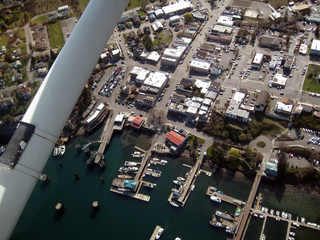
153	163
149	169
147	173
177	238
136	153
130	164
156	175
261	216
262	209
62	150
164	161
271	211
266	210
303	219
124	189
193	186
263	237
277	213
159	233
295	224
149	185
181	179
177	182
132	169
174	204
292	234
55	152
255	215
283	214
215	199
155	159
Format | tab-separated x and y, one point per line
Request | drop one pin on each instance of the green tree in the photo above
249	137
188	17
242	137
234	153
147	42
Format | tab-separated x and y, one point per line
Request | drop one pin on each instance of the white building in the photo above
234	112
283	108
143	74
303	49
155	82
159	13
172	56
257	61
174	19
198	65
157	26
119	118
177	7
135	71
315	47
154	57
225	20
279	80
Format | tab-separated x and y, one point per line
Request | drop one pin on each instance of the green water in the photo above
121	217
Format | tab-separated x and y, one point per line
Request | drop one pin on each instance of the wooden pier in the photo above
155	232
225	198
138	196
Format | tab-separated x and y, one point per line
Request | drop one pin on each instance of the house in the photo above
42	71
262	101
136	21
6	101
271	169
24	91
271	42
137	122
157	26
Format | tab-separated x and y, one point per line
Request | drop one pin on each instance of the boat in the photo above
213	189
136	153
228	230
278	219
157	171
147	173
261	216
55	152
62	150
208	174
271	211
266	210
224	215
124	189
283	214
149	185
153	163
174	204
263	237
303	219
277	213
177	182
193	186
130	164
177	238
292	234
295	224
149	169
159	233
132	169
255	215
286	215
155	159
164	161
217	224
124	176
156	175
181	179
215	199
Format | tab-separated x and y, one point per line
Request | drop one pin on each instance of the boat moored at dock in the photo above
130	164
124	176
149	185
178	182
181	179
164	161
62	150
174	204
215	199
159	233
217	224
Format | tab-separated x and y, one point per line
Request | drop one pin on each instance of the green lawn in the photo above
56	36
162	37
23	48
277	127
310	83
141	12
135	3
83	4
42	19
4	40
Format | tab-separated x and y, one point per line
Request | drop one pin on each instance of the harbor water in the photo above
121	217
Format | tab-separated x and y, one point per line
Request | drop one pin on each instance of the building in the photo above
221	38
287	62
155	83
153	57
197	65
143	74
257	61
234	111
159	13
262	101
301	9
271	169
174	20
315	47
279	81
225	21
126	17
283	108
313	17
176	140
177	8
251	14
271	42
221	29
275	61
135	71
147	100
157	26
137	122
6	101
303	49
42	71
302	107
172	56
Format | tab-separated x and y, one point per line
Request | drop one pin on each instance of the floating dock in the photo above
155	232
138	196
225	198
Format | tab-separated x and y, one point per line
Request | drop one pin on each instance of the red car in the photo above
289	154
211	16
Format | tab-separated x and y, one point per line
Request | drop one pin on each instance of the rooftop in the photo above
175	138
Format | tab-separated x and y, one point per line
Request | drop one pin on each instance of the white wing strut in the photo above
53	104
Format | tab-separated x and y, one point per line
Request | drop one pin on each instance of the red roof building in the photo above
175	138
137	122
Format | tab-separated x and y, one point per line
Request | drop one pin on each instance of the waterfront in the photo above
121	217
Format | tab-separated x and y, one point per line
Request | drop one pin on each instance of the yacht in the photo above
278	219
174	204
155	159
271	211
292	234
177	182
215	199
62	150
149	169
177	238
153	163
277	213
261	216
283	214
164	161
130	164
295	224
136	153
159	233
132	169
303	219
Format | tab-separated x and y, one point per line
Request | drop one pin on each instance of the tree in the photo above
26	17
242	137
188	17
316	32
249	137
147	42
282	166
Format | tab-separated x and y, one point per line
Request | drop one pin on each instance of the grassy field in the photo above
162	37
4	40
23	48
135	3
141	12
310	83
277	127
56	36
83	4
42	19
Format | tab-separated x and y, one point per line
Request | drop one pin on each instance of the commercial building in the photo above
135	71
315	47
271	169
155	82
303	49
262	101
287	62
137	122
153	57
157	26
143	74
275	61
225	21
257	61
234	112
221	29
283	108
159	13
177	8
271	42
172	56
174	20
279	81
197	65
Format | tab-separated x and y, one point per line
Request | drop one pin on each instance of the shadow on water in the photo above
57	216
277	190
93	213
43	186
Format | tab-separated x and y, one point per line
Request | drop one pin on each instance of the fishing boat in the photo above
124	176
217	224
159	233
164	161
181	179
62	150
149	185
177	182
215	199
174	204
130	164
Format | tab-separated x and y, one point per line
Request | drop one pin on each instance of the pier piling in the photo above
101	179
76	175
60	164
44	178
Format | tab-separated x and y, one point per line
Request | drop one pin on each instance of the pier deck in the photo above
138	196
224	197
155	232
